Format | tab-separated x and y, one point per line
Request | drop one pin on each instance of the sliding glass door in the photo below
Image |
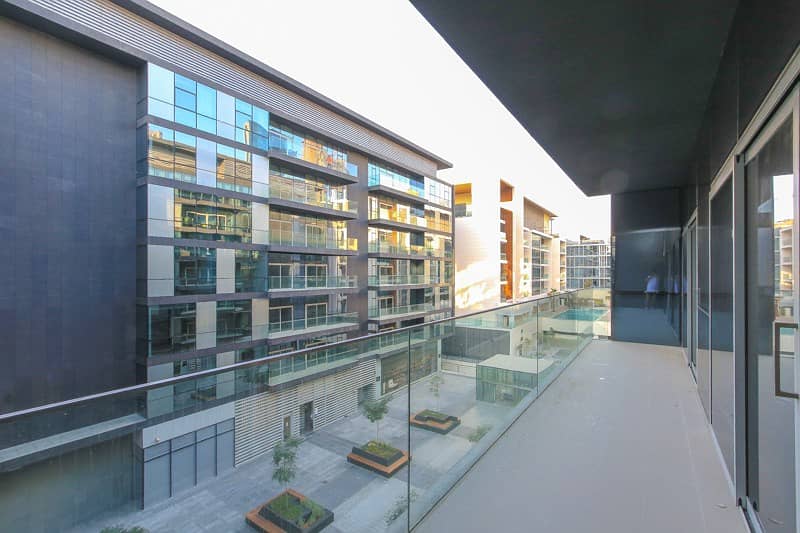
771	322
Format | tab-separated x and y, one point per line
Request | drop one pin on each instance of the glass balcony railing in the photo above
439	225
403	279
386	312
311	282
407	218
406	249
395	216
293	145
307	239
313	322
309	194
161	455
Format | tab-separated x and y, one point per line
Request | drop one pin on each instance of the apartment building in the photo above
203	209
588	264
526	262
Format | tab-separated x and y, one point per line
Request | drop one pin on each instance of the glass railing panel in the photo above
384	312
301	324
493	366
145	457
403	279
308	239
311	282
297	190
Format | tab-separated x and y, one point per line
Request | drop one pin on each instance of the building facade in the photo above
588	264
528	259
203	209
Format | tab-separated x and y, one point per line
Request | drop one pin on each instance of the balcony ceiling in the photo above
615	91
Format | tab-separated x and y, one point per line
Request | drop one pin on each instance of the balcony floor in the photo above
618	443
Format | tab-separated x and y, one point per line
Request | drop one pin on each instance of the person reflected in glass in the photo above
650	290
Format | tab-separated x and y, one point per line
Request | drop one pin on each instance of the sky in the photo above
383	60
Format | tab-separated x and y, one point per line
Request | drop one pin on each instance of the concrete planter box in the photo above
265	519
385	466
439	424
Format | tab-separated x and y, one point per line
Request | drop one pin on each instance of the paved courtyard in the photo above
360	499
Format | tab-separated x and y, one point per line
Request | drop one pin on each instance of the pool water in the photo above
588	315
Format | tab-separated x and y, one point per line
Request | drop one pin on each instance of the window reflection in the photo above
211	217
175	155
166	328
195	270
285	139
180	99
233	321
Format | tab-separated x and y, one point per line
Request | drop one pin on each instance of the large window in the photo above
288	229
234	322
166	329
180	99
170	154
383	175
294	143
211	217
251	271
195	270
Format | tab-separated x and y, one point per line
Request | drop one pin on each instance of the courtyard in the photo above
360	499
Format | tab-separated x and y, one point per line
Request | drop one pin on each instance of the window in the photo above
211	217
166	328
293	143
280	318
250	270
233	321
316	314
195	270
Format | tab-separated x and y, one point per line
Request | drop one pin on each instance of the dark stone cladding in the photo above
68	160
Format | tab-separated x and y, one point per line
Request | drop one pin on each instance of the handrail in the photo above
143	387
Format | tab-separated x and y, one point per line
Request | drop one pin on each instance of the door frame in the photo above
691	289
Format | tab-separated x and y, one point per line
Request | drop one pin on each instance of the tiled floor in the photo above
619	443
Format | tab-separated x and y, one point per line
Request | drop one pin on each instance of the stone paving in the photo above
359	498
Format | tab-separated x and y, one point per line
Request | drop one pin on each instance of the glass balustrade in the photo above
310	193
311	282
199	447
309	239
403	279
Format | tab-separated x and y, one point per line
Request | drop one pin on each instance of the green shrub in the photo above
479	433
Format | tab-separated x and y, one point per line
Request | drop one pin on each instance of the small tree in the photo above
284	456
375	410
435	383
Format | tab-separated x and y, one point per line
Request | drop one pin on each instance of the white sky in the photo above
383	60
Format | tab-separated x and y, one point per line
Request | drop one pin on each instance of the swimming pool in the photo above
588	315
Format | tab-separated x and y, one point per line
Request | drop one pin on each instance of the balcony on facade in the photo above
406	250
395	312
312	325
289	232
394	280
389	213
302	150
290	191
278	284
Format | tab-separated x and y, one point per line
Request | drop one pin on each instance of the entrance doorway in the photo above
307	417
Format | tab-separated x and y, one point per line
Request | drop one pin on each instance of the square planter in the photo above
263	518
385	466
434	421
